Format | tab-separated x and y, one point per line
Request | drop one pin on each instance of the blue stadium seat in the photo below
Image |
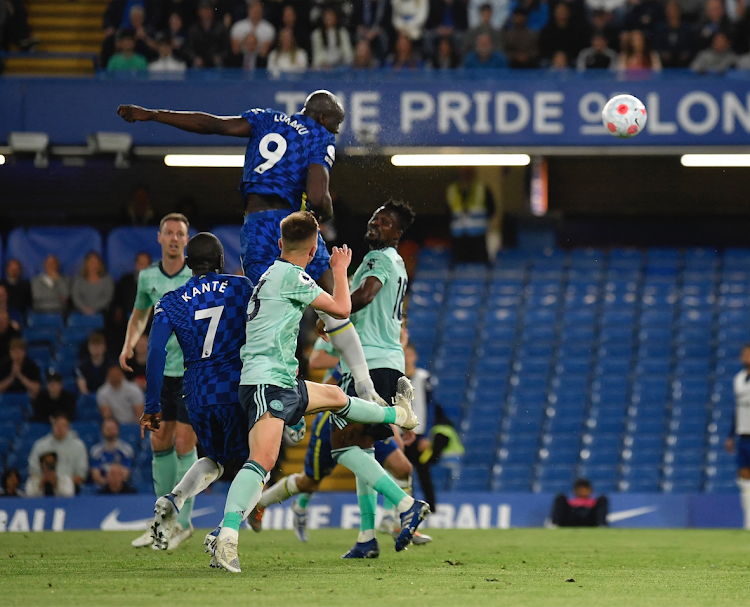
70	245
473	478
687	457
643	458
85	321
36	334
35	319
600	456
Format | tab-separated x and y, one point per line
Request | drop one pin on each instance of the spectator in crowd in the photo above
404	56
14	28
50	482
249	57
606	6
145	44
287	57
72	458
521	43
54	400
263	32
50	290
331	45
177	34
484	27
371	24
112	450
167	62
19	289
646	15
116	482
471	206
119	398
499	9
113	16
363	59
581	510
138	363
484	55
597	56
562	34
91	371
743	62
560	62
126	59
445	56
18	373
7	334
138	212
719	58
10	483
601	23
93	288
409	17
159	13
124	298
537	12
636	53
290	18
673	38
208	39
714	20
447	18
16	318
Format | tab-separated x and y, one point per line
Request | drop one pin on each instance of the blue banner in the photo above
497	109
340	510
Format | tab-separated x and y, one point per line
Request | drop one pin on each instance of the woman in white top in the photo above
287	57
93	288
331	45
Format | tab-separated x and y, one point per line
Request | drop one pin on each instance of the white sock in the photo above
226	532
401	416
282	490
405	484
744	485
200	475
405	503
349	346
366	536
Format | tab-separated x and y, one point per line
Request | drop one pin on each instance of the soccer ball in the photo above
624	116
294	434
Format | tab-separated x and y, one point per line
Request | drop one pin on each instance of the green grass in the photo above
519	567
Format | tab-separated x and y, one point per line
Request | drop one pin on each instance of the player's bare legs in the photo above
345	339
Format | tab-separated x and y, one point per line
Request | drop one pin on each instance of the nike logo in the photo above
615	517
111	522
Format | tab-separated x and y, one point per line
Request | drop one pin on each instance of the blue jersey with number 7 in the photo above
280	150
207	314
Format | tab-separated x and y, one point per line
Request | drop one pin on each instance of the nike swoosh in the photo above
614	517
111	522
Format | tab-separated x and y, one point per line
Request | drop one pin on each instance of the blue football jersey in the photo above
280	150
207	314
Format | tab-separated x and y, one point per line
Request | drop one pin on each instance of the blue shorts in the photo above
743	452
221	431
287	404
259	245
319	462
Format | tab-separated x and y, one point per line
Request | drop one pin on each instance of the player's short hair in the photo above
582	483
402	210
298	228
173	217
204	250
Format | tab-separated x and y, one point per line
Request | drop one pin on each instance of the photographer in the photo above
50	483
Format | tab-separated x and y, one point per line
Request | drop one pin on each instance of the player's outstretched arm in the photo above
193	122
338	305
318	197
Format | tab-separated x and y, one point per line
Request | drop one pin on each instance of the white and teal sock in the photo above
365	412
303	500
282	490
744	485
164	471
367	498
244	493
364	466
345	339
201	474
389	508
184	463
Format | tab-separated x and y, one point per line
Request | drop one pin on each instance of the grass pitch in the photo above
519	567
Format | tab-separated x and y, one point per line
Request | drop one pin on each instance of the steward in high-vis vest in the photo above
472	207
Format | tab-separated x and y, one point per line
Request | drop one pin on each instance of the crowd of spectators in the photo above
296	36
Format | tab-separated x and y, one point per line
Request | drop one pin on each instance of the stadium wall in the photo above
508	108
340	510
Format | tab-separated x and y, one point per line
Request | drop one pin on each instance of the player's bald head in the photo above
205	253
325	109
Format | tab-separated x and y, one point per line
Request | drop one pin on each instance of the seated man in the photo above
50	482
91	371
71	457
117	481
119	398
582	510
54	399
18	373
110	451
